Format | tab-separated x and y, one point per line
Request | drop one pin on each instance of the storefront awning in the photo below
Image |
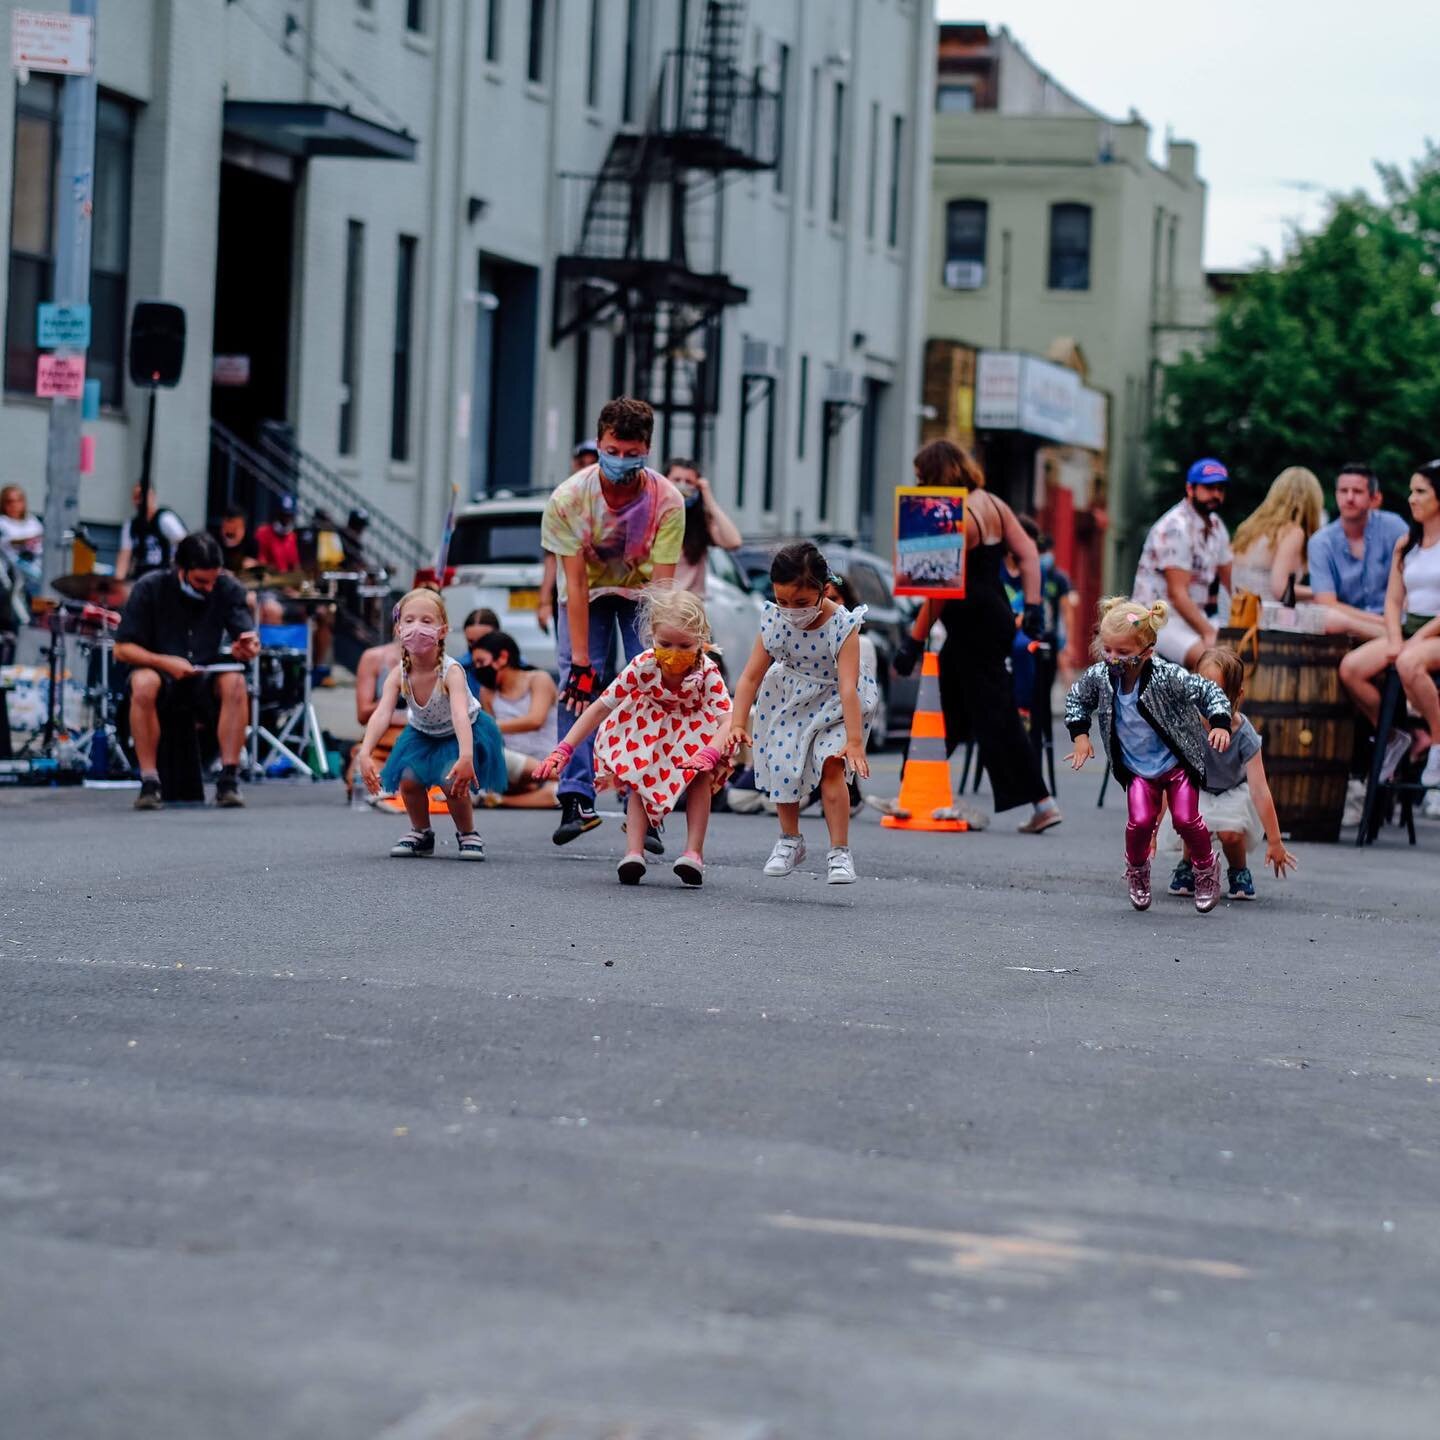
314	131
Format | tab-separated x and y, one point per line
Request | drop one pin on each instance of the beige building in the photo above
1054	233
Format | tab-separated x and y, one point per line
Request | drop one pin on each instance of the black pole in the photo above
140	527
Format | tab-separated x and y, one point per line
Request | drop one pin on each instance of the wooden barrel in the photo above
1294	698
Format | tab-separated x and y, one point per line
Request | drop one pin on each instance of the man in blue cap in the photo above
1185	560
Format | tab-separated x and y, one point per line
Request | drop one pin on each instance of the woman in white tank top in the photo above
523	704
1412	625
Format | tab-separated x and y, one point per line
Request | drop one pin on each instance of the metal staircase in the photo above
643	236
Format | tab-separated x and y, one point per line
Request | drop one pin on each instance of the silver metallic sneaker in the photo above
789	851
841	867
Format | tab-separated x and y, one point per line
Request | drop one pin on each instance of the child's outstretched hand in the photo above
855	758
1279	859
1220	739
370	774
461	777
551	766
1082	752
738	736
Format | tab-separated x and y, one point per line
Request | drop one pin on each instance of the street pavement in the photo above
299	1141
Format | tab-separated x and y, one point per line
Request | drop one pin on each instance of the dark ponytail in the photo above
800	564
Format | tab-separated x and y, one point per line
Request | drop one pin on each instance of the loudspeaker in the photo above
157	343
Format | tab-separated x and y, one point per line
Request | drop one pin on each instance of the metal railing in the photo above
715	115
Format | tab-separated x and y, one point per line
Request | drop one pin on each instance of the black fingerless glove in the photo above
1033	621
909	652
580	686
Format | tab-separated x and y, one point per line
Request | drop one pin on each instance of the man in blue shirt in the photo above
1350	558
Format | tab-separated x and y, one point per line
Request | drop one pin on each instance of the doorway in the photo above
871	423
502	402
253	288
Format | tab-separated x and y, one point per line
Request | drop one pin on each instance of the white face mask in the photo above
802	618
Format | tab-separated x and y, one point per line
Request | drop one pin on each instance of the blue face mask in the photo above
621	469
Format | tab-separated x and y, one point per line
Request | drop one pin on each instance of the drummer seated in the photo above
175	622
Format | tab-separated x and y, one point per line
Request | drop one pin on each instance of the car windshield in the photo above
496	540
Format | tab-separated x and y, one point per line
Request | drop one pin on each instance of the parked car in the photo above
886	621
496	561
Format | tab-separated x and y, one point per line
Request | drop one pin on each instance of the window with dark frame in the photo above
967	224
1070	247
897	171
812	148
415	16
535	62
630	100
837	155
405	256
803	406
592	62
350	335
492	31
782	120
872	191
32	259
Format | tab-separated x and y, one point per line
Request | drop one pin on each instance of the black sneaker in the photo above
416	845
149	797
227	793
1182	882
654	839
577	815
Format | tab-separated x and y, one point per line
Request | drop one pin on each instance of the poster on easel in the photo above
930	542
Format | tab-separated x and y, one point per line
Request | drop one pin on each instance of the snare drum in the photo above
282	678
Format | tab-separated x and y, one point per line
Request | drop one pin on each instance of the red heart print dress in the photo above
652	732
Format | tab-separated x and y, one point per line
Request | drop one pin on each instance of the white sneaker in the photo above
1354	803
1430	775
1396	748
789	851
841	870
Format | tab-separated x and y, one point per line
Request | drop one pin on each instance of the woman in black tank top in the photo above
976	691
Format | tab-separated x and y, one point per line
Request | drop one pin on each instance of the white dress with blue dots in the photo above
798	722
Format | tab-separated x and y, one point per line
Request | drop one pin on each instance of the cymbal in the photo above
97	589
258	578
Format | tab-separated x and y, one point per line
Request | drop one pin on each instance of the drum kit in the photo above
71	643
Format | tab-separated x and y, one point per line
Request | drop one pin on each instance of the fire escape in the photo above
644	237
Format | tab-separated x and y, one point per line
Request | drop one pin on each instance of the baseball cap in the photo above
1207	472
287	504
584	445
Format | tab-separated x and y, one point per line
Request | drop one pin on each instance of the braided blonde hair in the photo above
406	659
1120	616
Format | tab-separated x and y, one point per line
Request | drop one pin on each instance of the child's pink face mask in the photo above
419	637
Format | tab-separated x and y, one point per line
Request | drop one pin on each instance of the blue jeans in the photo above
608	614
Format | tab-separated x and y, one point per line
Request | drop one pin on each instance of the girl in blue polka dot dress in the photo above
812	707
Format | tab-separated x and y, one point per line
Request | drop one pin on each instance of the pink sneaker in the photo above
1207	884
1138	877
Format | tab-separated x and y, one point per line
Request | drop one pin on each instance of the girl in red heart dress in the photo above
664	726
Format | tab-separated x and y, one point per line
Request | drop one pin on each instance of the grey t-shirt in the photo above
1224	771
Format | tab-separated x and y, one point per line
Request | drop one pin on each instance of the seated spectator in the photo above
163	531
279	545
1270	543
478	624
1411	642
237	544
523	704
22	537
1351	558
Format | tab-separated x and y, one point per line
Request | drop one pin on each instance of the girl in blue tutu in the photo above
448	739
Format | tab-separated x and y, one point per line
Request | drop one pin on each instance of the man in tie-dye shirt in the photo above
617	527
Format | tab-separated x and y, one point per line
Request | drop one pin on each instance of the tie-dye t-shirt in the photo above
621	547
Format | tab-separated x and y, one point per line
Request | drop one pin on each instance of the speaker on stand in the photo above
157	356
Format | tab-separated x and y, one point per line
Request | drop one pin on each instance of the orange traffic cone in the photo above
925	786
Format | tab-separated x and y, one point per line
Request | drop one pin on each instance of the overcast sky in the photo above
1309	92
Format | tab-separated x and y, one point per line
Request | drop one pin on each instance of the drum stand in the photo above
301	717
100	745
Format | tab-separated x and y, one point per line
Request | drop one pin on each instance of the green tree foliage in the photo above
1332	354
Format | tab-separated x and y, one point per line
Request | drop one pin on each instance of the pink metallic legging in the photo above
1144	798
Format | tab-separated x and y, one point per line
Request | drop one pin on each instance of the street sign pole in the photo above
74	203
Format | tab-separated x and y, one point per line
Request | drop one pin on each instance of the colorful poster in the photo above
930	542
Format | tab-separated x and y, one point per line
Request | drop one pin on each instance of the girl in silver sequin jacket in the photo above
1172	699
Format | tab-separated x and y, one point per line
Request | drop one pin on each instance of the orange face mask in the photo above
675	662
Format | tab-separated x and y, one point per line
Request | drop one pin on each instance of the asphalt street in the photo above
299	1141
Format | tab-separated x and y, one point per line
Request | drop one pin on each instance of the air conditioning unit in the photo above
760	357
843	387
964	274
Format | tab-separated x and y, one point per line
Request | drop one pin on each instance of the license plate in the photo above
524	600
